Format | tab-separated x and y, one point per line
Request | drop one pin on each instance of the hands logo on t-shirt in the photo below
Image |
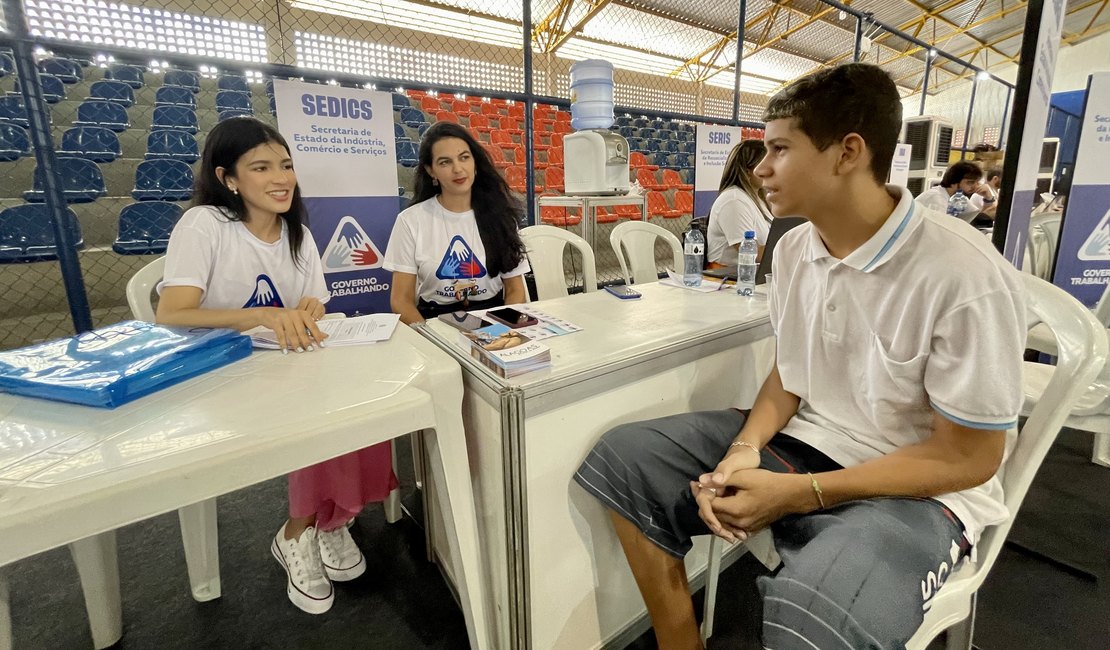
460	262
265	294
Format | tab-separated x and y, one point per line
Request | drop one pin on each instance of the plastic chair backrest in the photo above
53	90
233	82
94	143
163	179
140	287
412	116
82	181
545	246
554	178
174	96
14	142
407	153
132	75
233	100
27	233
112	91
399	101
66	70
171	143
638	239
1083	353
144	228
399	131
1044	231
175	117
183	78
99	112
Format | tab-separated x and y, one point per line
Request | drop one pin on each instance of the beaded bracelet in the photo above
745	443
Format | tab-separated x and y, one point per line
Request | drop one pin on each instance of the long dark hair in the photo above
496	211
225	145
739	171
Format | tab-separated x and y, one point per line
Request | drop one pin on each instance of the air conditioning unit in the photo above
1050	157
931	138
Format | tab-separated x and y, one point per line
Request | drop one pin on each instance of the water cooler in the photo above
595	158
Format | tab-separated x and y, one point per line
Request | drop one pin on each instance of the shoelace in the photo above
305	568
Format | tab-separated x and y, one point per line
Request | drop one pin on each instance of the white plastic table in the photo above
72	475
556	571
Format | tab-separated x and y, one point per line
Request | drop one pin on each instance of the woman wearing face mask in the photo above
740	206
242	257
457	247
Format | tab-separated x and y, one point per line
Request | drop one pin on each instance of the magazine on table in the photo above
506	351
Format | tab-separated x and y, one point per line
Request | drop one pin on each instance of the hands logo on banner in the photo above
265	294
1097	246
350	248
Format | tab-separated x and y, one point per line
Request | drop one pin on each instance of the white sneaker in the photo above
308	587
342	558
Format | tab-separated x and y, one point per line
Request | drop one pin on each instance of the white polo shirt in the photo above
733	213
924	316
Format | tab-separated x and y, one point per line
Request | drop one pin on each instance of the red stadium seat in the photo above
674	182
658	206
647	179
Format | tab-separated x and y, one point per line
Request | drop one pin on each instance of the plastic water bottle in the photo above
957	204
693	248
745	269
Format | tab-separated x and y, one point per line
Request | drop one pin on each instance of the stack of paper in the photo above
506	351
359	330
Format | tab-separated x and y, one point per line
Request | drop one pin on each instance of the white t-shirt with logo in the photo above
444	250
236	270
732	214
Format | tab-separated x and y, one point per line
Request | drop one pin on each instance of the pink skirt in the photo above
336	490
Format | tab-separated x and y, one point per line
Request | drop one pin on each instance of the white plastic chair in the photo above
545	246
638	239
1082	355
1044	231
198	521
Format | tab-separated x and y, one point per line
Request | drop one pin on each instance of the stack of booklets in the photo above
506	351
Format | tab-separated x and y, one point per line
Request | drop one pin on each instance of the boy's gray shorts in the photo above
854	576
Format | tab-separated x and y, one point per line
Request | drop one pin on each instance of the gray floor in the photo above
1047	591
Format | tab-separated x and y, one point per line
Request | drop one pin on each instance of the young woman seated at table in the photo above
740	206
242	257
457	248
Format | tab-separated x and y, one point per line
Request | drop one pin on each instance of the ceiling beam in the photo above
782	36
937	15
598	5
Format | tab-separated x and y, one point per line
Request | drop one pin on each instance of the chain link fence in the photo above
128	125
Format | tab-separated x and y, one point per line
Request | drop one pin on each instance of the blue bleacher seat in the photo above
97	112
132	75
623	120
144	228
112	91
163	180
680	161
668	146
658	124
400	101
660	158
646	133
169	143
7	64
635	144
94	143
67	70
652	144
687	175
14	142
175	96
269	86
53	90
182	78
687	147
174	117
273	105
81	179
13	111
227	115
683	136
413	117
233	82
27	234
233	100
400	191
399	131
422	128
407	154
641	122
666	134
628	132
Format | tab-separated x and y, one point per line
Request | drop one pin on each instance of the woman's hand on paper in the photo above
295	328
313	306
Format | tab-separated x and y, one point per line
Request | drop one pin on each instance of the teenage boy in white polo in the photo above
872	447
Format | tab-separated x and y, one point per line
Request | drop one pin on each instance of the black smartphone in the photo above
463	320
511	317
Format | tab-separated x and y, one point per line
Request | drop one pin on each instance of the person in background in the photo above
242	257
458	246
989	191
740	206
963	176
872	449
